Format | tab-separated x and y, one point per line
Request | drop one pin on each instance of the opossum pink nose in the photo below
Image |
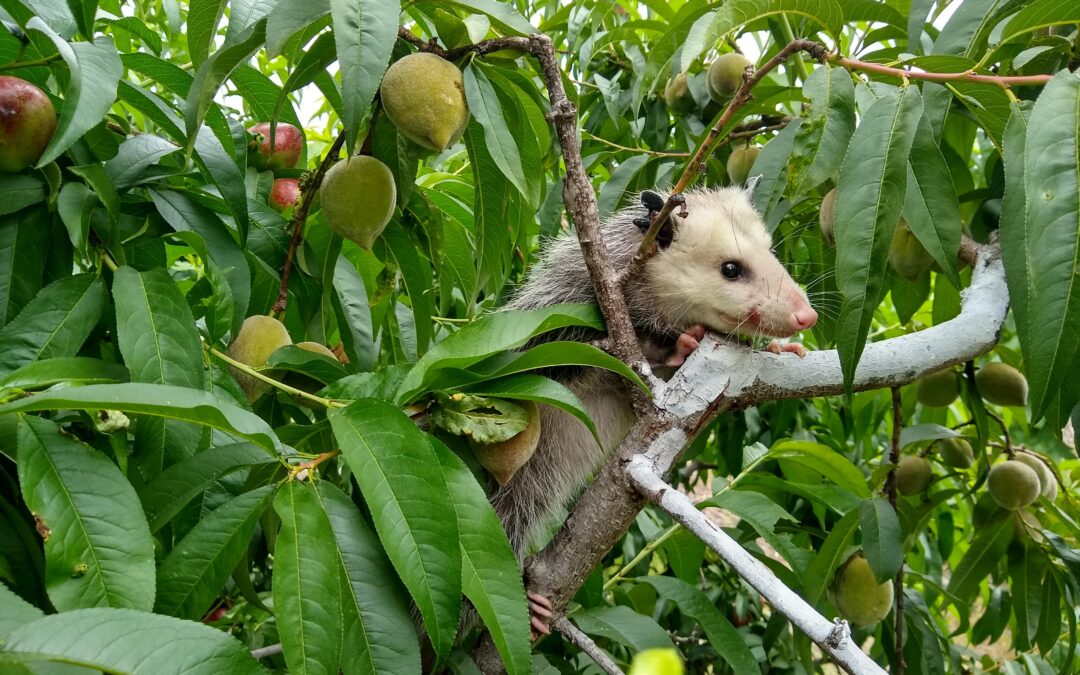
803	318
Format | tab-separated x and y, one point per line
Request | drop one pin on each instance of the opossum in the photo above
716	272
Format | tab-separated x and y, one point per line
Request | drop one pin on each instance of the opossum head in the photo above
719	270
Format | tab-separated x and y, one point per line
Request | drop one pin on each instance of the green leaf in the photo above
394	464
685	34
214	71
497	211
351	300
95	70
825	460
504	16
15	612
55	323
163	400
1015	238
490	577
23	245
882	540
1026	571
202	22
484	105
613	192
1052	185
492	334
98	550
70	370
127	642
481	419
289	17
771	166
135	155
694	604
175	487
1040	14
267	100
623	625
379	631
364	32
307	590
18	192
985	551
823	137
869	196
540	389
416	273
829	557
196	569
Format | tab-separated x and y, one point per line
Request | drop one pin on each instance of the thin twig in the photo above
966	76
890	493
17	65
300	218
263	652
585	644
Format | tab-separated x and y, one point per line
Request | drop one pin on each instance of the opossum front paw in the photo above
777	347
685	345
539	614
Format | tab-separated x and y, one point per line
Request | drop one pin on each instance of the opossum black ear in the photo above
652	200
751	184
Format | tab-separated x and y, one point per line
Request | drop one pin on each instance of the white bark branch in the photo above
585	644
833	638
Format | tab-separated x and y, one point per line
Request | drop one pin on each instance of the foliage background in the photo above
142	239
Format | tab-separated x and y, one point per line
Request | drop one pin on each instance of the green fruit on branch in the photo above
956	452
504	458
725	75
1047	482
907	255
358	195
259	337
424	96
283	195
913	475
27	123
858	596
739	163
677	95
1013	484
1001	384
939	389
827	217
288	146
657	661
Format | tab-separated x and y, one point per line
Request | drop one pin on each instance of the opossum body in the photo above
718	272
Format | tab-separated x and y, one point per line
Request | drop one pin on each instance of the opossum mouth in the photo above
755	324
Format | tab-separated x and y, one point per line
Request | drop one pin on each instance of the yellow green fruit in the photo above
358	198
1013	484
739	163
424	96
956	452
858	596
1047	482
1001	384
725	75
906	255
316	348
677	95
657	661
827	217
913	475
259	337
939	389
504	458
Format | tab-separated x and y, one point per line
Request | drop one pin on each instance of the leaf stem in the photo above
248	370
16	65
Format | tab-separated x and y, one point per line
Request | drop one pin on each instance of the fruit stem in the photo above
248	370
16	65
1004	432
308	189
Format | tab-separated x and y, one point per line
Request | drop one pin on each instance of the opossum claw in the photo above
796	348
539	614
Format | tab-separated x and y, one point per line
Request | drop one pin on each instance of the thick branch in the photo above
833	638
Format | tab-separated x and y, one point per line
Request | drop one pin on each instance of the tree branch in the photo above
585	644
833	638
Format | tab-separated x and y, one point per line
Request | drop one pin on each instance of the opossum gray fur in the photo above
682	286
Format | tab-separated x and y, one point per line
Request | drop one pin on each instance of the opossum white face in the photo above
720	271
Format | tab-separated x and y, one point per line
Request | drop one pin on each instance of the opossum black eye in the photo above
731	269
